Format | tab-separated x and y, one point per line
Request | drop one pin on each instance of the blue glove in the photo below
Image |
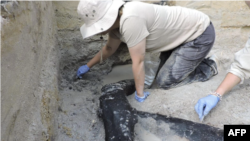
83	69
205	104
141	99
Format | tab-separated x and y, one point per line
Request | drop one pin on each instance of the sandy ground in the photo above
148	129
78	119
179	102
78	100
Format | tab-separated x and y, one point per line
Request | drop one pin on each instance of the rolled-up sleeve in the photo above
241	65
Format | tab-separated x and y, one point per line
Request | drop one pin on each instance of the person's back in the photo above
165	27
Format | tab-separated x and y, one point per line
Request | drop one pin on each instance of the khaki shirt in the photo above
164	27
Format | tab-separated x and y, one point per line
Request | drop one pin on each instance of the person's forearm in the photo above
248	3
228	83
105	54
139	74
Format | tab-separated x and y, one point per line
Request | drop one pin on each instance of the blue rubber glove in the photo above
83	69
141	99
205	104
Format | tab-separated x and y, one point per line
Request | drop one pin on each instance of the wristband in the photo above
217	94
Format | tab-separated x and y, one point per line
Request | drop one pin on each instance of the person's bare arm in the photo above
205	104
228	83
230	80
248	3
137	54
107	51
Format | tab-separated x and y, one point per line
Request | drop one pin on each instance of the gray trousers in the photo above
187	63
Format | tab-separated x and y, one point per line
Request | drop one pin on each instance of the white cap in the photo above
98	15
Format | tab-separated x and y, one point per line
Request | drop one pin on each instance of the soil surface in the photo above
79	99
78	119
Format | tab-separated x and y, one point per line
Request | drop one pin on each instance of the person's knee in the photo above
160	81
168	79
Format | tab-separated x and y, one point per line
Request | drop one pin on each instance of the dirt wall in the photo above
29	65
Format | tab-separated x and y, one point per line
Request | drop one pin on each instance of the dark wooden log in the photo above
120	118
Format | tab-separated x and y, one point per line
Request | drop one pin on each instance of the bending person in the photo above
183	37
240	70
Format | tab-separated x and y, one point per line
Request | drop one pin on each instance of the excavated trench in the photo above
96	108
87	112
42	100
79	98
